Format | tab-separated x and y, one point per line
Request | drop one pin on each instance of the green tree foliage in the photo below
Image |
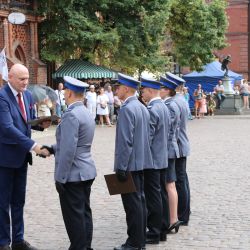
197	29
72	29
126	35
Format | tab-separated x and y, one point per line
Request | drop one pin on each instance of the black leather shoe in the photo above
152	241
6	247
127	247
184	223
163	237
23	246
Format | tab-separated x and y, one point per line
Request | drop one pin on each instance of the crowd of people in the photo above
104	105
151	146
206	103
100	101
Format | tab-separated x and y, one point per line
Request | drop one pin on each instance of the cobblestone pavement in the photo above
219	173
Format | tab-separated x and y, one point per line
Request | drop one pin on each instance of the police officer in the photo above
132	154
155	176
182	184
74	168
167	94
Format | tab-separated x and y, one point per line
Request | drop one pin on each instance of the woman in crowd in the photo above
198	98
244	91
102	107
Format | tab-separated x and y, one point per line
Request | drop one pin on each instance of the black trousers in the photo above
165	203
135	209
154	182
77	215
183	190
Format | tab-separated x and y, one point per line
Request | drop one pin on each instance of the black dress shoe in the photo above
6	247
127	247
163	237
184	223
24	245
152	241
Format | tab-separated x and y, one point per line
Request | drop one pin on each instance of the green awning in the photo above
80	69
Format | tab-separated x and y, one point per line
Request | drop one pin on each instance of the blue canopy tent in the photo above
208	78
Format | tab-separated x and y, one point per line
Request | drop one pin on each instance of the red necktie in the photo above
21	105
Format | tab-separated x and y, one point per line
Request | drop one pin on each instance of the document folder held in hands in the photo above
117	187
42	119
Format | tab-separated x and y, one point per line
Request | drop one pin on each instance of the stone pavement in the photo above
219	173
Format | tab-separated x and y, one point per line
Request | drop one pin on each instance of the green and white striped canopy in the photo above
80	69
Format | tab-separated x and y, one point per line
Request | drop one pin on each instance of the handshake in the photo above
44	151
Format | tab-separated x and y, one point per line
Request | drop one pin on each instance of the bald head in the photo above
17	68
19	77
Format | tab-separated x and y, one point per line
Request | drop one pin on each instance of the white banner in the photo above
3	66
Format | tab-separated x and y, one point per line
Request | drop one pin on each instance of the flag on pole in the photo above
3	66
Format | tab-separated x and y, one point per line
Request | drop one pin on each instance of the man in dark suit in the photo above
16	108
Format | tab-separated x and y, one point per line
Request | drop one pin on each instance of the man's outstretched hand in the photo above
49	149
42	152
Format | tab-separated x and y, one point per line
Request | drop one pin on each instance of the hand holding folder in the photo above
117	187
40	120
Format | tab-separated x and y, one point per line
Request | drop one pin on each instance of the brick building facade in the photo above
21	41
238	37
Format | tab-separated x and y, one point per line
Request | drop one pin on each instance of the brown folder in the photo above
42	119
117	187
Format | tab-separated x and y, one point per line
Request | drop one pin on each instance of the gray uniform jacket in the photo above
74	136
173	149
182	139
159	132
132	149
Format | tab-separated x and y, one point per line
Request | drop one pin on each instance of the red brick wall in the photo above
238	37
25	38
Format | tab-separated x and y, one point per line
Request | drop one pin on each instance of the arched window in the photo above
20	54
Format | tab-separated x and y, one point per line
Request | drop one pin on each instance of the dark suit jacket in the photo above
15	133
